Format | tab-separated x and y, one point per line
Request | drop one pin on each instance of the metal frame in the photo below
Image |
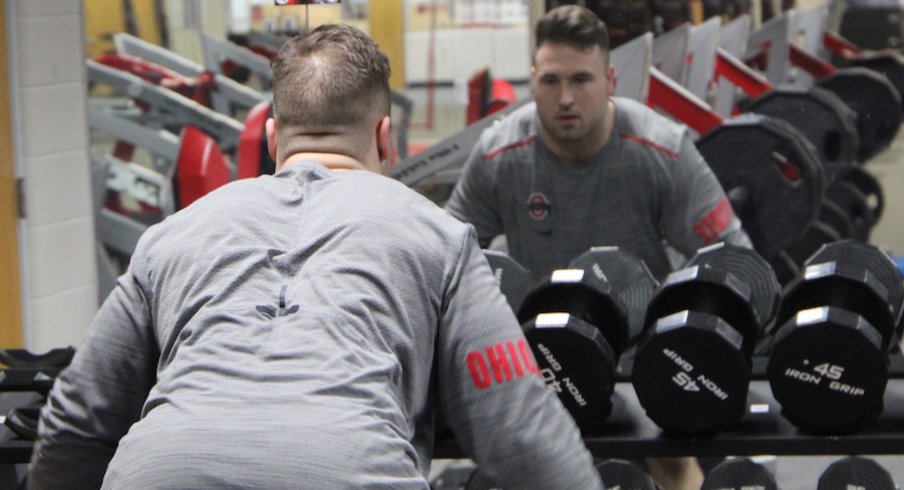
227	92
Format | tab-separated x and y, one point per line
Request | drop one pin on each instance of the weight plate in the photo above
817	235
869	186
855	205
771	174
876	102
832	215
822	117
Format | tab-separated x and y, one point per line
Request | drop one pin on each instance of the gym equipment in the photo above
832	46
22	358
616	474
872	25
625	475
870	187
183	168
630	279
577	329
451	151
821	116
514	280
223	57
34	374
225	95
872	97
828	365
855	205
775	185
693	365
487	95
739	474
479	481
164	108
856	472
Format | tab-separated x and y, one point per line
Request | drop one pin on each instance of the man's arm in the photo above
473	200
502	414
696	211
96	399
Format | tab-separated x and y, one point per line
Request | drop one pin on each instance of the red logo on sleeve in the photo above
713	224
501	362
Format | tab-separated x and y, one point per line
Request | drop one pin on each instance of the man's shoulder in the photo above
641	124
517	130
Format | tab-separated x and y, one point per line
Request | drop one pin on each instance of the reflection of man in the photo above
299	330
579	168
304	2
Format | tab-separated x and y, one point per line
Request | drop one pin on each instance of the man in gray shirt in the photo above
299	330
579	168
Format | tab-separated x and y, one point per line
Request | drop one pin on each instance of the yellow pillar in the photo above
103	18
387	27
147	20
10	300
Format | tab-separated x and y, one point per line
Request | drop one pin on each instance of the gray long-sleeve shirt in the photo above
646	186
294	331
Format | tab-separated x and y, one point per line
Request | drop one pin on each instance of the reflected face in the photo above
571	86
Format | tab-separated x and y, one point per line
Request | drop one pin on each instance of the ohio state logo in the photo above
538	206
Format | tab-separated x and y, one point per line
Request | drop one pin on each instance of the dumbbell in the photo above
856	472
615	473
828	364
578	324
625	475
513	278
739	474
692	367
630	278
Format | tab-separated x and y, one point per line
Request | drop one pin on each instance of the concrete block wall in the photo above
460	53
48	92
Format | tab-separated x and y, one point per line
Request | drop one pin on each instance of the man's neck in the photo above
580	152
332	161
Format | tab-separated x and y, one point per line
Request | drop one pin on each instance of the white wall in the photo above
461	52
48	93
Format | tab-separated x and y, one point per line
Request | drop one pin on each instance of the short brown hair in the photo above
333	77
572	25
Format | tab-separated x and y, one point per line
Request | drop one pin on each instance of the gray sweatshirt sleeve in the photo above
96	399
696	211
473	200
502	414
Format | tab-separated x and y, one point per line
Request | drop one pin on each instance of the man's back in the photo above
284	292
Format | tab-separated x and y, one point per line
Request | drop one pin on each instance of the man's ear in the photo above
612	81
270	128
384	140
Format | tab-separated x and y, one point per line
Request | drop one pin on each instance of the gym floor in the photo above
792	472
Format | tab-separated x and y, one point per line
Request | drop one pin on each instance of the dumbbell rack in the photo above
629	433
